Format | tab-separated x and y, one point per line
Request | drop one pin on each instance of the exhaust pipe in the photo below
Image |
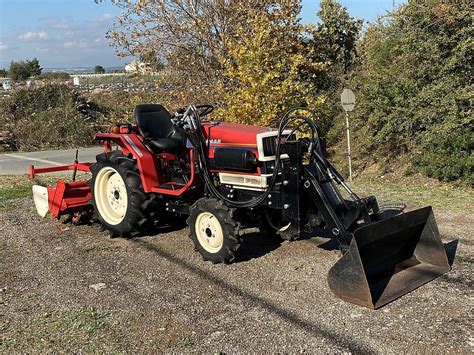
389	258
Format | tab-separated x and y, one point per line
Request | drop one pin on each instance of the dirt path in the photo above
82	291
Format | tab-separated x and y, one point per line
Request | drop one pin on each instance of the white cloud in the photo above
60	26
33	36
3	46
74	44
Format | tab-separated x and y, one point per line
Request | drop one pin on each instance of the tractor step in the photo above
171	186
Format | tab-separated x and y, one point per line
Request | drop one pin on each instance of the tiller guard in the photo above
66	198
389	258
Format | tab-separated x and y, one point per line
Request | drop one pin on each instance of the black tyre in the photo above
120	204
214	230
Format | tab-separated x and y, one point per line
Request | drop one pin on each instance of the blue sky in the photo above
71	33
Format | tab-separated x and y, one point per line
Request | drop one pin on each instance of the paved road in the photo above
18	163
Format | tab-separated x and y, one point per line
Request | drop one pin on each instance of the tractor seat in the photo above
155	125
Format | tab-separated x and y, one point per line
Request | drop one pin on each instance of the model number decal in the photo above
213	141
134	146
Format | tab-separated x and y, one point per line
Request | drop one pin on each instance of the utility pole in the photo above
349	156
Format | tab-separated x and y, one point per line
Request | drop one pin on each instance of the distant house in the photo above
135	67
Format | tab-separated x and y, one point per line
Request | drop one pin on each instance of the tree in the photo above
152	60
3	73
333	41
189	36
335	37
19	71
34	67
22	70
99	69
264	68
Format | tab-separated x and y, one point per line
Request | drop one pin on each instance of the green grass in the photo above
417	192
77	330
13	188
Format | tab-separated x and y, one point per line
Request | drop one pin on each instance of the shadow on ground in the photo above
340	340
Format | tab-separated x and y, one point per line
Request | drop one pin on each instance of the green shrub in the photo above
414	91
447	157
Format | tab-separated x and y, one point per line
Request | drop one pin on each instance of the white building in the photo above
137	67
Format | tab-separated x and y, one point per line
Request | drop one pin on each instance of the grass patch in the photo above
187	342
12	187
417	191
78	330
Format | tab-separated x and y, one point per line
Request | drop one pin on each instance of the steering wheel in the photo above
204	110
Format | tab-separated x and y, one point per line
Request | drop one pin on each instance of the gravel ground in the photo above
79	290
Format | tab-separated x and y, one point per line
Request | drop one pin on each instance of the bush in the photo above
49	116
447	157
414	91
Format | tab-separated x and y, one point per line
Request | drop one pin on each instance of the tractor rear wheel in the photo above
214	230
120	204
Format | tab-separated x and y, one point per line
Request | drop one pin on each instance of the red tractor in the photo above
221	176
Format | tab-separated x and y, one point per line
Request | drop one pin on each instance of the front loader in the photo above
223	176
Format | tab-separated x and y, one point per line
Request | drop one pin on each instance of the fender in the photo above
130	143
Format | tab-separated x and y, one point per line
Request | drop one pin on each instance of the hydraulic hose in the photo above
198	141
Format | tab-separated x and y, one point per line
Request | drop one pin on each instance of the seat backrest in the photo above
153	121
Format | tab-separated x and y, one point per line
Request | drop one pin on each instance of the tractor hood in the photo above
232	134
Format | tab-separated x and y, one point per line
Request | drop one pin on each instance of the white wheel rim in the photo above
209	232
110	194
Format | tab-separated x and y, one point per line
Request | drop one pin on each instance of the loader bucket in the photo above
389	258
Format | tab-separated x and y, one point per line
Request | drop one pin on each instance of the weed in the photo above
187	342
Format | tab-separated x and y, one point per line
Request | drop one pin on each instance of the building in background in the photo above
135	67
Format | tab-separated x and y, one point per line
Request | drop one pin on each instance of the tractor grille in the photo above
270	143
269	146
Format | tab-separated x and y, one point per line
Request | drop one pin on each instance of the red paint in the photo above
67	198
79	166
233	134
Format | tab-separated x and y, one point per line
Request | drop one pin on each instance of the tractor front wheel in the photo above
214	230
120	204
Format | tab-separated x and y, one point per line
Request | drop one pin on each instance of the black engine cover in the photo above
234	159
